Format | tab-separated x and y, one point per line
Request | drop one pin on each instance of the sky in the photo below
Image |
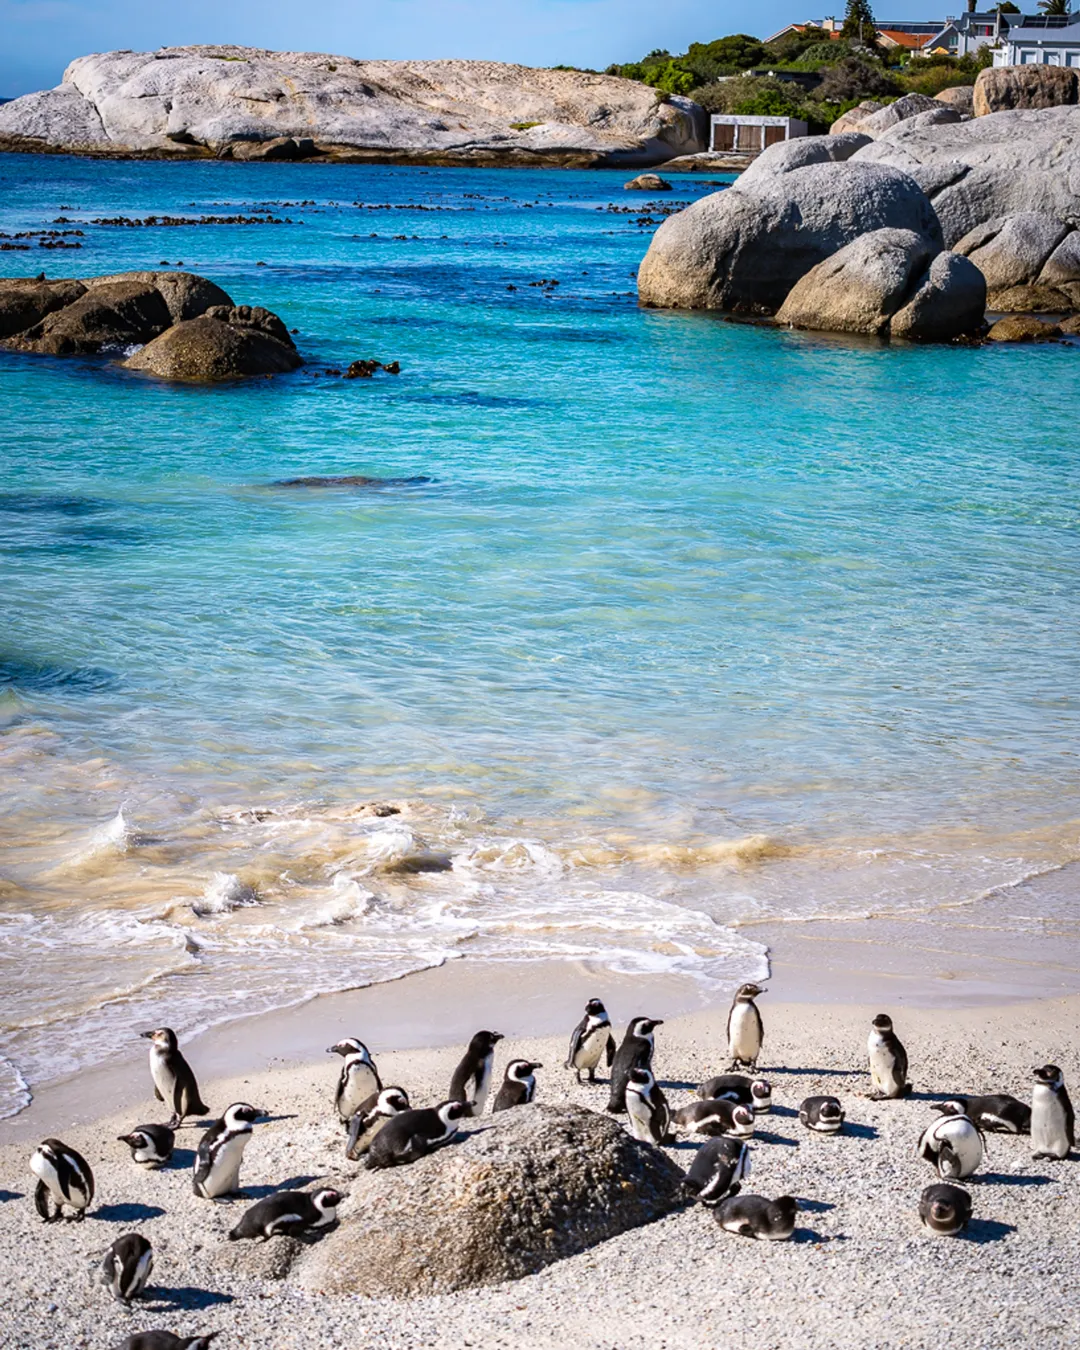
39	37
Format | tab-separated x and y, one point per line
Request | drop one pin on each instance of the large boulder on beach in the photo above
854	117
799	151
1005	87
1031	261
226	100
225	343
533	1185
743	249
892	114
960	97
889	282
979	170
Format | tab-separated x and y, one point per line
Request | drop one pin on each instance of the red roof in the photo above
913	41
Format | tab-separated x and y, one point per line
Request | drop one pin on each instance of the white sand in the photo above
860	1271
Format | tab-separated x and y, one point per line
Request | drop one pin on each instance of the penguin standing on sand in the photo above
1053	1124
65	1177
290	1214
221	1150
944	1208
519	1085
591	1040
998	1114
472	1077
412	1134
823	1115
718	1169
635	1052
647	1108
755	1217
174	1082
358	1078
165	1340
371	1117
151	1145
716	1116
745	1030
126	1267
952	1143
888	1060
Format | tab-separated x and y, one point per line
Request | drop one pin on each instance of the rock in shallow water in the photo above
536	1184
218	346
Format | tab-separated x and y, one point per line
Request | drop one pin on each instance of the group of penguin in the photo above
385	1130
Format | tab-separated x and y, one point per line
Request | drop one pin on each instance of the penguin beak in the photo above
146	1035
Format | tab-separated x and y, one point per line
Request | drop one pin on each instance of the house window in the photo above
1029	57
1051	58
1073	59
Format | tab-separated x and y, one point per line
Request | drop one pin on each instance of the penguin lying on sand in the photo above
151	1145
944	1208
737	1087
952	1143
372	1116
717	1116
126	1266
472	1077
174	1082
591	1041
998	1114
412	1134
755	1217
635	1052
289	1213
718	1168
165	1340
64	1176
825	1115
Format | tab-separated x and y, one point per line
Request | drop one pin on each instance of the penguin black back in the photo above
998	1113
472	1077
414	1133
519	1085
289	1213
126	1267
755	1217
635	1052
165	1340
718	1168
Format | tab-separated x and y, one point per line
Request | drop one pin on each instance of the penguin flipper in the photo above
157	1093
609	1053
41	1202
745	1230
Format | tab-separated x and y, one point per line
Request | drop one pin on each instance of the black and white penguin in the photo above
755	1217
151	1145
414	1133
472	1077
126	1267
737	1087
289	1213
951	1143
635	1052
945	1208
888	1060
1053	1124
65	1177
825	1115
174	1082
371	1117
165	1340
358	1079
647	1108
519	1085
715	1116
745	1031
718	1169
221	1150
998	1114
591	1040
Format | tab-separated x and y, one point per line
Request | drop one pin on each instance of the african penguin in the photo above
716	1116
174	1082
221	1150
165	1340
412	1134
825	1115
635	1052
151	1145
998	1114
1053	1124
755	1217
951	1143
591	1040
888	1060
126	1267
519	1085
358	1078
647	1108
63	1175
737	1087
472	1077
745	1032
372	1116
945	1208
718	1169
289	1213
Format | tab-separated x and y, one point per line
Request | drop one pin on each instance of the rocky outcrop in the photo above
745	248
1023	328
185	326
537	1184
229	101
1005	87
989	167
889	283
801	150
851	120
959	96
647	182
892	114
1031	261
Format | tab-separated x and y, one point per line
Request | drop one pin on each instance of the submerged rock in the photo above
647	182
537	1184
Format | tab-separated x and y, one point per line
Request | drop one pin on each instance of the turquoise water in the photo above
684	624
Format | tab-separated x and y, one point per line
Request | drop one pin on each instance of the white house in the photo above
752	132
964	36
1040	40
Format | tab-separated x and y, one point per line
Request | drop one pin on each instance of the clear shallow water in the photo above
693	625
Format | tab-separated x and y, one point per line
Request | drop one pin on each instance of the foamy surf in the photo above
224	892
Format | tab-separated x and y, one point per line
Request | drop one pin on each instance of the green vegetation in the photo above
525	126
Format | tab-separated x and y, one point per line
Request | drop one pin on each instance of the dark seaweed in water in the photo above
349	480
32	503
40	677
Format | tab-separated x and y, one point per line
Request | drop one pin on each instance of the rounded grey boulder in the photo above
794	154
1031	261
743	249
223	344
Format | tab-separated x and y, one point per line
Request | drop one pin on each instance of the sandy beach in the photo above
860	1271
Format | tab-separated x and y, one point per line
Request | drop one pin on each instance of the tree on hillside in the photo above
740	51
859	21
1007	8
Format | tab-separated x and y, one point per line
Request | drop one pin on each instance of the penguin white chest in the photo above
640	1117
360	1083
483	1085
591	1048
162	1074
225	1170
1048	1132
744	1032
882	1063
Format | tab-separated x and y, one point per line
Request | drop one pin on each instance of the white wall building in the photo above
751	132
1040	40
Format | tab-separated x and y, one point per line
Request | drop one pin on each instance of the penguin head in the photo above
952	1108
199	1342
594	1008
641	1080
349	1046
1050	1075
943	1212
451	1112
521	1069
392	1101
327	1198
645	1026
484	1042
746	992
882	1022
164	1038
136	1139
50	1149
761	1092
241	1113
742	1121
783	1209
